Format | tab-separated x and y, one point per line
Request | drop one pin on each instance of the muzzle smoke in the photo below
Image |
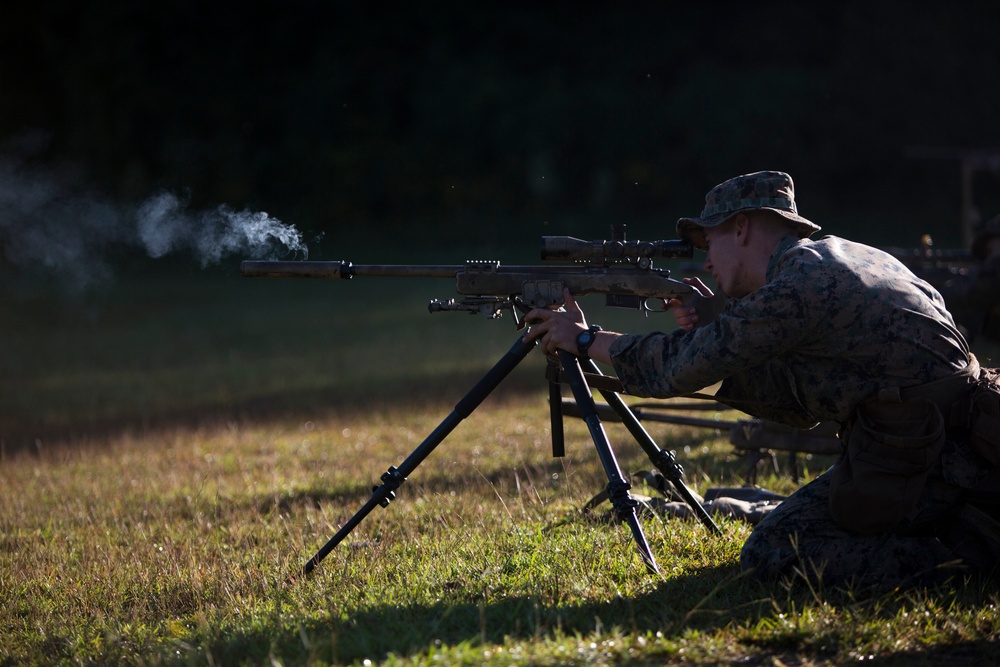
164	225
51	226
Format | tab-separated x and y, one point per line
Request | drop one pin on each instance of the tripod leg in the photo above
618	486
555	412
394	477
661	458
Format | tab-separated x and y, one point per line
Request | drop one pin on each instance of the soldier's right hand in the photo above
687	316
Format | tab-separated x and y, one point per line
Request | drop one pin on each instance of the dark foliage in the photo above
485	119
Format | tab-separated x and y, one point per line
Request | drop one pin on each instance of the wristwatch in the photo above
585	339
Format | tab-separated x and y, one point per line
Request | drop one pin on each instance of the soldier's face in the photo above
724	258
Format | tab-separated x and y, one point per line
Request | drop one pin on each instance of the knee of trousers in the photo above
753	553
767	551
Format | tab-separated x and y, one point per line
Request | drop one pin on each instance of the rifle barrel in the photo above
343	270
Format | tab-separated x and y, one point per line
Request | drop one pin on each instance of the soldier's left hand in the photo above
557	328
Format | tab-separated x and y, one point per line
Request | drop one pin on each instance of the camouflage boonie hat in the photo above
989	230
771	190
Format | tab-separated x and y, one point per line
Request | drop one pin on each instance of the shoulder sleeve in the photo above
761	326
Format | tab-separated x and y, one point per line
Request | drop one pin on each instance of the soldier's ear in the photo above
741	228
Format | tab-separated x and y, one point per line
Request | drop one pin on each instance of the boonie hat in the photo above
771	190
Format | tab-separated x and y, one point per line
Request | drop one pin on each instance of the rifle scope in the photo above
567	248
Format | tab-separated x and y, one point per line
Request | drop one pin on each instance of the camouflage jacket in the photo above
836	322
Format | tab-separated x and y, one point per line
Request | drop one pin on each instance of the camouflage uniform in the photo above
835	323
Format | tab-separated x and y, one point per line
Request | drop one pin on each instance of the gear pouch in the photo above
890	450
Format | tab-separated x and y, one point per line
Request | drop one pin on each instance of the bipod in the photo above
609	387
618	486
394	477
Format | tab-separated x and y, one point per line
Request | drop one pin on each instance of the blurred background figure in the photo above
975	299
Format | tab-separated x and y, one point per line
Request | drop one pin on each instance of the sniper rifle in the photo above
622	270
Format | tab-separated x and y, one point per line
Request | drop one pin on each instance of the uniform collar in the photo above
784	243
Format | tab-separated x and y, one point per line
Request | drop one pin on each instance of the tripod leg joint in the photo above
392	479
621	499
668	466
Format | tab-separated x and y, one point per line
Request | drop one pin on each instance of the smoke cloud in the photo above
164	225
51	226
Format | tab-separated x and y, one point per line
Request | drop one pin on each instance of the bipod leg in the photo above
394	477
618	487
555	410
664	460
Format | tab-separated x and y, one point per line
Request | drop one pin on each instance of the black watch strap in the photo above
585	339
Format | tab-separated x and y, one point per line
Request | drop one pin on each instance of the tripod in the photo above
618	486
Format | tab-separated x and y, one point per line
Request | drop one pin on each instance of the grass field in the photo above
176	448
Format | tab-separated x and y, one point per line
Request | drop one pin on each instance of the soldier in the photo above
975	301
818	330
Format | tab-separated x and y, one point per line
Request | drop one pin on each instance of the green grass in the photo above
175	453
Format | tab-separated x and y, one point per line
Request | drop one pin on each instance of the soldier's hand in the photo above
556	329
687	316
